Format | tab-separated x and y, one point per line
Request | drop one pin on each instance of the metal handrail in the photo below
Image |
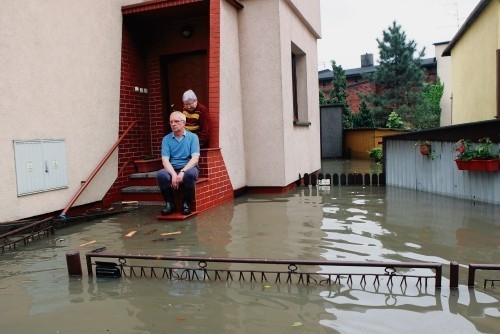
96	170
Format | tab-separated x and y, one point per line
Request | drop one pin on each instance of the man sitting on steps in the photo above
180	152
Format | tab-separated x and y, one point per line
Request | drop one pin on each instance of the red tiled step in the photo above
149	193
176	216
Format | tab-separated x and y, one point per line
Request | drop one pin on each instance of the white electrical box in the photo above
40	165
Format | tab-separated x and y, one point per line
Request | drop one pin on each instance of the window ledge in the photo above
301	123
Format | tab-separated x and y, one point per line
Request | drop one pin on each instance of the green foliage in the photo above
427	115
394	121
339	82
363	119
376	154
399	77
339	94
484	150
322	100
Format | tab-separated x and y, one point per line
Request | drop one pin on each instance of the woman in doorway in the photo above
197	120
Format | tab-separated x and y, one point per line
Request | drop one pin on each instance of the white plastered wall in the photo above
303	155
261	93
276	151
60	65
231	118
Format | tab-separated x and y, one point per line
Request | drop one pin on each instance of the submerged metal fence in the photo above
26	235
192	268
342	179
482	266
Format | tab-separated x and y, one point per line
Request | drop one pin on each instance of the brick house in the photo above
80	79
357	84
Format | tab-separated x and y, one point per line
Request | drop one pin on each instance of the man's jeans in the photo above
165	179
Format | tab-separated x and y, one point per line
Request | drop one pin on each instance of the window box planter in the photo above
148	165
491	165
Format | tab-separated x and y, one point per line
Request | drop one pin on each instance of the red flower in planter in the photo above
484	150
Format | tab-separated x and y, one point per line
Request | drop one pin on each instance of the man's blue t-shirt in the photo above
180	151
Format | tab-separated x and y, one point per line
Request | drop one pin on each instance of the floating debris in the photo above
131	233
88	243
170	233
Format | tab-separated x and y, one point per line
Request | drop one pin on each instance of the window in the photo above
299	86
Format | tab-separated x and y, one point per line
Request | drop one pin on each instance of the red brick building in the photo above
356	83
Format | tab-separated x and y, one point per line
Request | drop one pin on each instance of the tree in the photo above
322	100
363	119
428	114
394	121
399	78
339	94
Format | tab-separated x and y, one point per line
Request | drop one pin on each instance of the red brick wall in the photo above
353	99
217	189
214	72
133	107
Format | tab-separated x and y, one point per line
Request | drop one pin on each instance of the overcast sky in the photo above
349	28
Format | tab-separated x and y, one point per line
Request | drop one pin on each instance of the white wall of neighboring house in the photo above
444	74
474	59
60	65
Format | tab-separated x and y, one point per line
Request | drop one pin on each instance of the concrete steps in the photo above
144	190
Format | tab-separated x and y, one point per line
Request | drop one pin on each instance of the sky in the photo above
350	28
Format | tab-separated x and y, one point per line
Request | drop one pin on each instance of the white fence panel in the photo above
406	167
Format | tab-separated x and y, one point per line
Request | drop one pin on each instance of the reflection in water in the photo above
352	223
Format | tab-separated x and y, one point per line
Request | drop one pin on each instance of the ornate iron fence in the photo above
260	270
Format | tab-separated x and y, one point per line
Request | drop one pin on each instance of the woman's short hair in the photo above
189	95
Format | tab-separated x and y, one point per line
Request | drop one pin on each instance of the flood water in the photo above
316	223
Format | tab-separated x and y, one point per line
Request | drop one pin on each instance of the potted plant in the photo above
376	154
481	156
148	163
425	147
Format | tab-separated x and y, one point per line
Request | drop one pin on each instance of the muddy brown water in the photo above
337	223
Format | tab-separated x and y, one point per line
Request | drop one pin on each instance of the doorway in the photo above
179	73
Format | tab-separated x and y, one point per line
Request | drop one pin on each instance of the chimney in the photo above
367	60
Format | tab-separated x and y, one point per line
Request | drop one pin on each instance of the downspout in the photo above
498	85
